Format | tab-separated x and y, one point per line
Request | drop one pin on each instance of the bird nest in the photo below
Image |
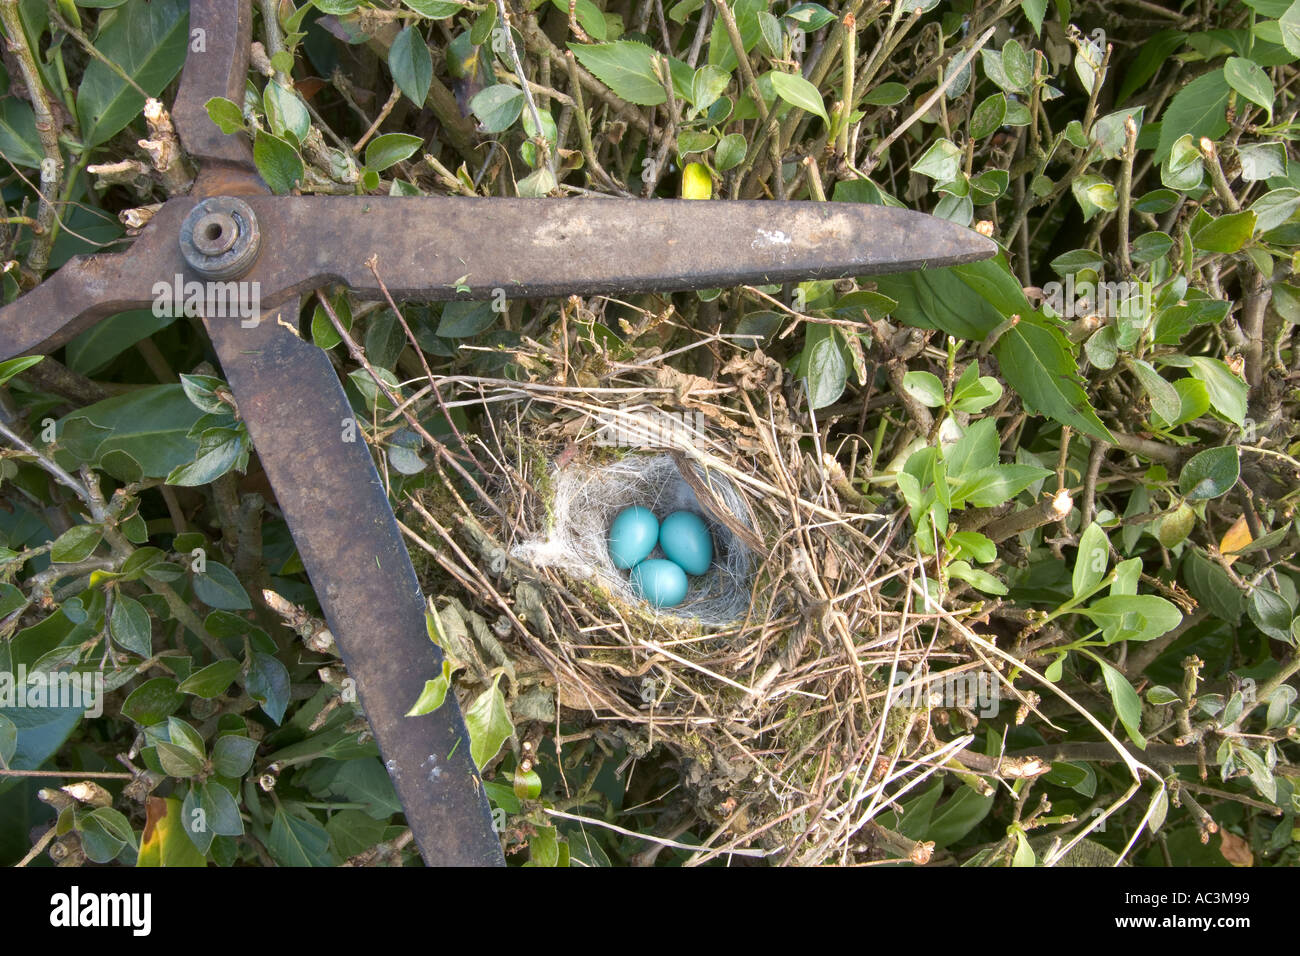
773	689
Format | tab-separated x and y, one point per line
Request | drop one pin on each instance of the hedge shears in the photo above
230	228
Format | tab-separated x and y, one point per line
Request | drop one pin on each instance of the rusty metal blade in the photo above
330	494
435	248
92	287
439	248
225	29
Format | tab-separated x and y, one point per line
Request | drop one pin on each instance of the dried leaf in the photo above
1234	539
1235	849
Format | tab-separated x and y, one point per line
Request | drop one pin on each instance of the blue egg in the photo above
660	582
685	539
632	536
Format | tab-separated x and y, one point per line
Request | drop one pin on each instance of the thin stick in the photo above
651	838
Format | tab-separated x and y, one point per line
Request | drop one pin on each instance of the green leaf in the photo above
992	486
147	42
99	843
41	731
221	812
488	721
186	737
1271	613
974	544
177	761
226	114
976	450
1161	695
941	162
220	449
886	94
1092	560
390	149
958	816
285	111
1289	23
111	824
1016	66
433	694
131	627
153	702
1275	208
497	107
810	16
1198	109
1034	11
277	162
1094	195
590	17
942	299
730	152
1228	393
411	65
363	781
465	319
8	741
1036	361
216	586
1227	234
976	578
1173	527
1210	473
150	425
1128	706
925	387
1212	587
1165	401
1249	79
1133	617
1152	55
436	9
988	116
974	392
721	52
1024	853
623	66
797	91
232	755
92	350
76	544
19	142
17	366
297	842
1110	134
1151	246
707	85
210	681
268	684
823	366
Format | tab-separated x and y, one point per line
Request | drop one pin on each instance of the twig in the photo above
649	837
929	101
38	255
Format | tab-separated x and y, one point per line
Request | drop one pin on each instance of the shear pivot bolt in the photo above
219	238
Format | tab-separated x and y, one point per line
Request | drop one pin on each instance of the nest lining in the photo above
585	498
